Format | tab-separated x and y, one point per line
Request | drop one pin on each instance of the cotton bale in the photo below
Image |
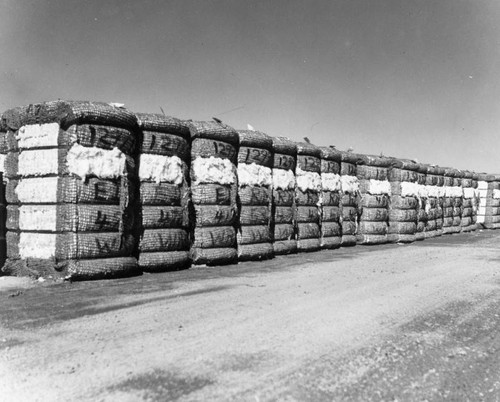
71	195
349	186
214	181
164	221
330	198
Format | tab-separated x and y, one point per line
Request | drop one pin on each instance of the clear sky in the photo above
408	78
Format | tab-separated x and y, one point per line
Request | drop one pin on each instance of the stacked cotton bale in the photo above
349	183
71	200
3	202
424	203
457	201
307	194
475	199
255	159
467	221
488	213
375	189
434	188
330	198
164	193
404	201
214	189
283	203
448	200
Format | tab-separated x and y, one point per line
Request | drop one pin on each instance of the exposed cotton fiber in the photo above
38	217
482	185
213	170
349	184
86	161
409	189
308	180
453	191
496	194
41	162
37	190
2	163
480	218
254	175
422	191
283	179
160	168
469	192
38	135
379	187
37	245
330	182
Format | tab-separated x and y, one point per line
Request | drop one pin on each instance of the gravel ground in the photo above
395	322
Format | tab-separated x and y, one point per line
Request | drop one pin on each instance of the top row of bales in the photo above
94	190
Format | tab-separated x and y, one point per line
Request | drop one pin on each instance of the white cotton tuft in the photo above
38	135
482	185
37	245
308	180
254	175
160	168
40	162
496	194
409	189
377	187
349	184
105	164
213	170
283	179
330	182
469	192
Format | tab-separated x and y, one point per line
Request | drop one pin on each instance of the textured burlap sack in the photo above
213	174
72	196
330	198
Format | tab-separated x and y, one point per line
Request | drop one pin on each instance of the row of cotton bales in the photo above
96	191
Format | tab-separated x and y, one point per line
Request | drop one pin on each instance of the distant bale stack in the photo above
423	206
349	183
476	199
467	221
283	205
3	202
255	159
404	201
457	201
330	198
70	194
307	194
448	200
375	189
164	193
488	213
435	192
214	188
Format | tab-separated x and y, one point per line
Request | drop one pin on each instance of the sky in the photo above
407	78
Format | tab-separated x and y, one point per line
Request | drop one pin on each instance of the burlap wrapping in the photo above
330	201
164	219
308	211
213	139
94	216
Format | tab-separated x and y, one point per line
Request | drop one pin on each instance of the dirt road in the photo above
412	322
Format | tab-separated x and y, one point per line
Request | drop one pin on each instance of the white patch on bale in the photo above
409	189
254	175
469	192
105	164
41	162
2	163
38	217
308	180
496	194
283	179
482	185
38	135
377	187
330	182
160	168
213	170
37	245
349	184
39	190
453	191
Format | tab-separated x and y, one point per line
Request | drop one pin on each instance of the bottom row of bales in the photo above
95	191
